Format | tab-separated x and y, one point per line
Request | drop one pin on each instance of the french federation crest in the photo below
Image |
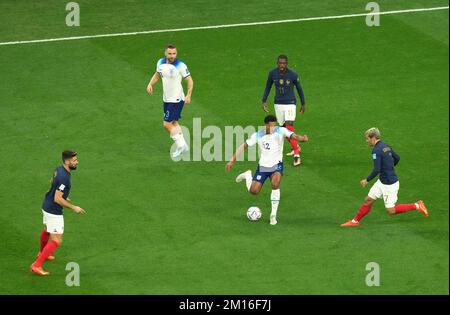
288	82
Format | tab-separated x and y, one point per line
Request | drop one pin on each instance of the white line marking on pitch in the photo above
221	26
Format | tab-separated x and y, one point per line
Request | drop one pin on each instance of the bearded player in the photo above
52	210
172	71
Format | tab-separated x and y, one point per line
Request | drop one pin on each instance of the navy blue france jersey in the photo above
61	182
284	87
384	159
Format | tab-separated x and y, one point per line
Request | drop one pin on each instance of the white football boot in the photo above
180	151
273	219
242	176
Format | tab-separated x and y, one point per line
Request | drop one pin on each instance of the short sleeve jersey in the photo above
172	75
270	145
61	182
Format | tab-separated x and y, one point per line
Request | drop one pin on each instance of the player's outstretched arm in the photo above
190	87
152	82
299	138
238	152
63	202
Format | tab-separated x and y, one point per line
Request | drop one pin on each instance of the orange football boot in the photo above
349	223
38	270
422	208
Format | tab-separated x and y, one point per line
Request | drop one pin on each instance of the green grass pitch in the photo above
158	227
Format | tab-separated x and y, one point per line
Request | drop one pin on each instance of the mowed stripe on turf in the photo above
331	17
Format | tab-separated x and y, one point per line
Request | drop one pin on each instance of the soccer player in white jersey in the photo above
270	141
173	71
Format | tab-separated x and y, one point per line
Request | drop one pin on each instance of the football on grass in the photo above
254	213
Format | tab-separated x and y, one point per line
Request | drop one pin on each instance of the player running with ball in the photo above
387	186
270	141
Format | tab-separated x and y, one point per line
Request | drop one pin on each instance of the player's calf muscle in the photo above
390	211
57	238
368	201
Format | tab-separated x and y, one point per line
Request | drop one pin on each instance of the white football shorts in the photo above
285	112
54	222
388	192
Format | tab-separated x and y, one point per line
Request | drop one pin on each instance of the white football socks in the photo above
275	198
248	180
177	136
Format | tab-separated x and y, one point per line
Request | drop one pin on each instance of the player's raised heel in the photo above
422	208
349	223
39	271
242	176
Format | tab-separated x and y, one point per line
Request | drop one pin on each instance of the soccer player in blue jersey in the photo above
172	71
52	210
387	186
285	80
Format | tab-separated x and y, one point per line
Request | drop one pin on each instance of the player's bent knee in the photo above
57	238
368	201
254	189
390	211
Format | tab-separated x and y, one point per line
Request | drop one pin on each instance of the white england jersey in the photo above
270	145
172	75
